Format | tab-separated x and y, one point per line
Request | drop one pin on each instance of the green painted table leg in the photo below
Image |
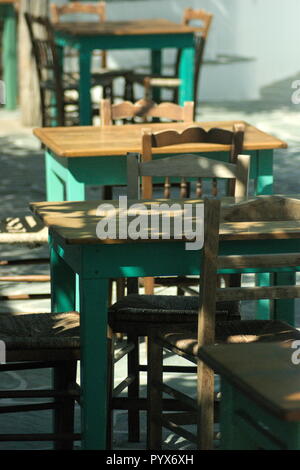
264	185
186	74
9	57
156	69
93	330
62	284
75	190
264	182
263	306
285	309
61	183
85	102
55	186
226	416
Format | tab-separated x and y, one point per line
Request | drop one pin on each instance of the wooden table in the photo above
260	405
9	52
76	250
153	34
80	156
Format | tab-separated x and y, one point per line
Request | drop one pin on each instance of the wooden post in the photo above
29	90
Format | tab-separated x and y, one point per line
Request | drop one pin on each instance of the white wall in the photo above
266	31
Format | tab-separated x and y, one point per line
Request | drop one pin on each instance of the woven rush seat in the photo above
165	308
27	229
245	331
43	341
40	336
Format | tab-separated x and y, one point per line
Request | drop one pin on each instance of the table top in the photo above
264	371
76	222
94	141
120	28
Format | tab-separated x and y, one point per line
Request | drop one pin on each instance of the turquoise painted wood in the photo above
69	176
153	42
186	75
95	265
9	54
246	426
156	69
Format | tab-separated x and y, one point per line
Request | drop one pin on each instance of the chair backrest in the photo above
193	134
205	19
187	166
97	9
144	110
255	210
78	8
47	63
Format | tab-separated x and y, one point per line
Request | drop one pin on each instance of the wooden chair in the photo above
209	331
37	341
56	107
79	9
256	412
172	81
41	341
58	89
144	110
101	74
193	134
135	315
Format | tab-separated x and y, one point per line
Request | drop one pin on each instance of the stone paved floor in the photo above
22	181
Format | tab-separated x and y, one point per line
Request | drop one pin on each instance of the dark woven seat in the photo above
165	309
40	331
42	341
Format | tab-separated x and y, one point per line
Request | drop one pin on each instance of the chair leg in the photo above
128	91
205	402
154	394
64	376
149	285
107	193
133	389
180	291
110	379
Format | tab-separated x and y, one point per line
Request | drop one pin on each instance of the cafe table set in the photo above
82	264
76	250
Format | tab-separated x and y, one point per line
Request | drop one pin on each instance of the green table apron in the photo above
9	54
248	426
154	42
94	265
67	177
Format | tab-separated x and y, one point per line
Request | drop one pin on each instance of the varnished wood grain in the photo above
190	14
91	141
146	109
98	9
76	222
120	28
